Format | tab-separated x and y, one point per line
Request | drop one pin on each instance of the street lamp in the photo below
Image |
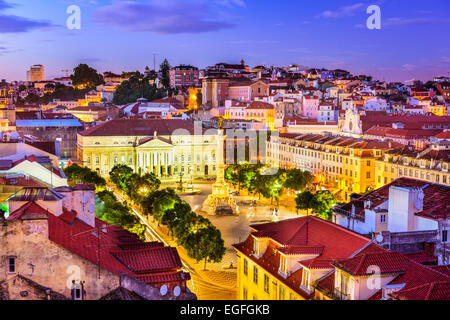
143	190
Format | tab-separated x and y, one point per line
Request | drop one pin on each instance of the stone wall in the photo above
48	264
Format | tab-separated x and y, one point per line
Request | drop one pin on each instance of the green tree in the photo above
135	87
86	77
118	214
159	202
305	201
206	244
76	174
323	203
165	77
32	98
176	216
120	175
298	180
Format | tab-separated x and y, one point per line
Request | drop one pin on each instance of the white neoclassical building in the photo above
168	148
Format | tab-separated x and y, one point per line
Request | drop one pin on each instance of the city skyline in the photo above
119	36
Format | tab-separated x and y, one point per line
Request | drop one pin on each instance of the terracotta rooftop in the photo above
435	207
139	128
121	252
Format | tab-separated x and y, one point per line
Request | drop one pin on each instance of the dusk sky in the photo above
413	43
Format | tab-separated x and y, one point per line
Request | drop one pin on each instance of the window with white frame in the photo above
305	278
283	264
256	247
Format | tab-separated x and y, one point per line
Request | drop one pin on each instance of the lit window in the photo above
266	283
305	279
245	267
282	293
255	275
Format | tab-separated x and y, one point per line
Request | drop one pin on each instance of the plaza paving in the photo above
218	282
234	229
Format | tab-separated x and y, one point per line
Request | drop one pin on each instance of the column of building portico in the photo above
147	162
158	164
166	164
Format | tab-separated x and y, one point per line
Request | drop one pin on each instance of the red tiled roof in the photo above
416	275
258	105
388	262
421	257
442	269
21	181
138	127
79	238
337	243
150	259
436	291
167	277
443	135
28	210
401	133
317	263
374	118
68	216
297	250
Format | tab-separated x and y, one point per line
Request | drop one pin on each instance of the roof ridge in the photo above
363	258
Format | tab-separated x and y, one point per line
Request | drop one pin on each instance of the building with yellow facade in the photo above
283	260
312	259
257	111
431	165
168	148
347	165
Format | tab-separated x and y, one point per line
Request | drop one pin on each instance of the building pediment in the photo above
155	142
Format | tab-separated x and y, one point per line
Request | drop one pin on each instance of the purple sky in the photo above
413	42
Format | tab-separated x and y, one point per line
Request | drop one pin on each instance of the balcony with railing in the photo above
339	295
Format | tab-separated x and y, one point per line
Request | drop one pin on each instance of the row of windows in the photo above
319	155
130	160
444	179
281	290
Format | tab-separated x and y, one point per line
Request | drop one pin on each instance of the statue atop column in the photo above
220	201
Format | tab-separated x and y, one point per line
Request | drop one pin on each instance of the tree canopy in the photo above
76	174
195	233
85	77
321	203
118	214
164	69
136	87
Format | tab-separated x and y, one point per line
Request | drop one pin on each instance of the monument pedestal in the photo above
220	202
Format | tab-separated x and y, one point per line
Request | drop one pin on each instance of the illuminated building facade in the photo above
36	73
168	148
347	165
